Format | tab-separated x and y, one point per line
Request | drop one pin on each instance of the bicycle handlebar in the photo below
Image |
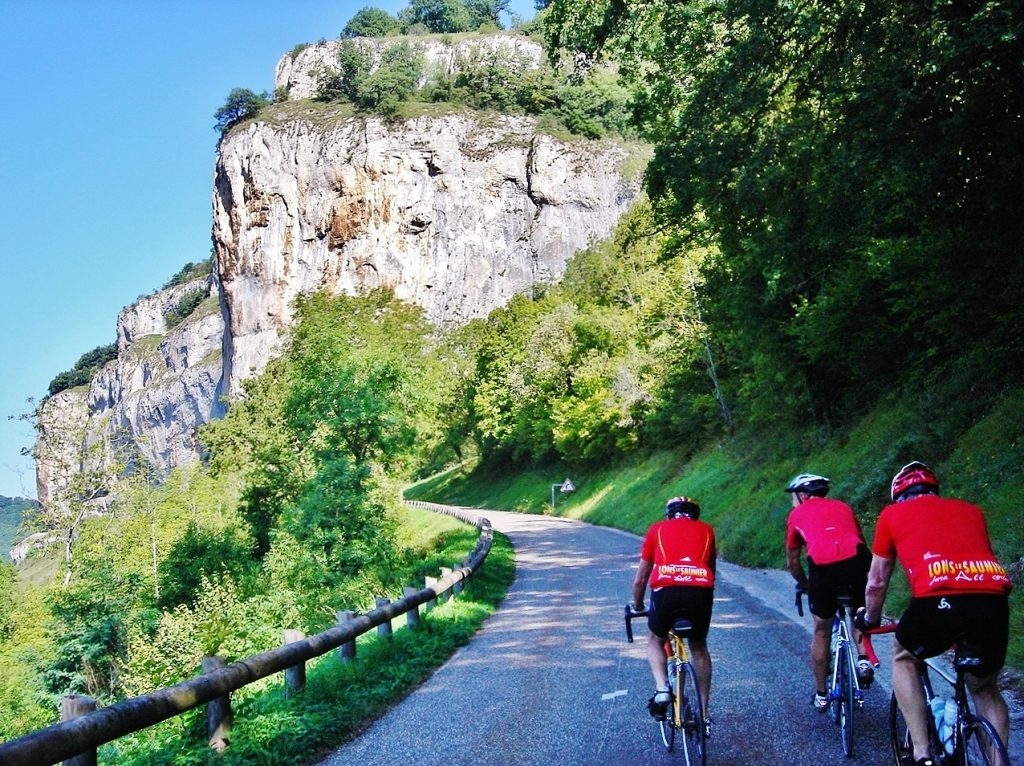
632	614
869	649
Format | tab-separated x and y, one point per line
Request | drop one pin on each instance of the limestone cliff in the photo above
456	212
165	382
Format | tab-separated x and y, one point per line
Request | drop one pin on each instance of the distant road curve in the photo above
550	680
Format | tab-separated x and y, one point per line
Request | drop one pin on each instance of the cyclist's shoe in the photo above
658	704
924	762
708	726
865	673
820	702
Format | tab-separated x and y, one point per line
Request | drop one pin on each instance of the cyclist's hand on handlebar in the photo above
637	609
860	620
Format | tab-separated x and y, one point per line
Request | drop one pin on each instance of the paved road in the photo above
551	681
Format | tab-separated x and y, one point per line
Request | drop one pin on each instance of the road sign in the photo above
567	485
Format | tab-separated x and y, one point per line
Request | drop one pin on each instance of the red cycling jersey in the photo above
827	527
682	551
942	544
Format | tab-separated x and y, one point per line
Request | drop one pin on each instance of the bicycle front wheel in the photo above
668	723
982	745
845	702
694	734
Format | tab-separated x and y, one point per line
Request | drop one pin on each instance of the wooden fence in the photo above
75	740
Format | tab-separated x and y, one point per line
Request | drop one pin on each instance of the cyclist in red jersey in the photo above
837	564
959	592
677	559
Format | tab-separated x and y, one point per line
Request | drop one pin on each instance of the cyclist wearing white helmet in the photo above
837	564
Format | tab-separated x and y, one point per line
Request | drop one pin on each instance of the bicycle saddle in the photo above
682	626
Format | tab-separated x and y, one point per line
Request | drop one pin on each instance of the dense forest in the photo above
830	243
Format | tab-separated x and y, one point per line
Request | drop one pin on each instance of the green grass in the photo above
339	699
975	445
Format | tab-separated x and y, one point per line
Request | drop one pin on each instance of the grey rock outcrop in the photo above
164	384
456	214
297	74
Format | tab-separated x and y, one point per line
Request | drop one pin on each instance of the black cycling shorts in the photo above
675	601
826	582
980	622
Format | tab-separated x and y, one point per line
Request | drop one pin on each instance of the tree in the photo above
439	16
241	104
371	22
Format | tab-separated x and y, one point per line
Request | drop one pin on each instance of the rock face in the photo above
164	384
455	213
296	74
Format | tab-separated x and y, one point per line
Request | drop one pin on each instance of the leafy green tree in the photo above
443	16
371	22
241	104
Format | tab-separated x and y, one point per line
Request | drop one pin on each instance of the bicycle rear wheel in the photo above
694	735
668	724
982	745
845	702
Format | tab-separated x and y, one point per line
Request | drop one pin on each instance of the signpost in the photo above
565	486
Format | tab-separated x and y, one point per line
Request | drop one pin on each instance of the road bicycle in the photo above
845	694
686	714
967	739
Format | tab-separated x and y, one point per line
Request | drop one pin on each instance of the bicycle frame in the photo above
842	624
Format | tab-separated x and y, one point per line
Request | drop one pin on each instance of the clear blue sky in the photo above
106	163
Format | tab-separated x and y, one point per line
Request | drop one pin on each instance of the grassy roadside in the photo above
976	448
272	729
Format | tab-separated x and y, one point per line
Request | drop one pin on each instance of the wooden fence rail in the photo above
82	735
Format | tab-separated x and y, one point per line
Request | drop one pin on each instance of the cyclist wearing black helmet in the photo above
837	563
678	559
959	593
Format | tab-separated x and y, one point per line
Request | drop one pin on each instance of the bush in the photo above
186	305
190	271
85	368
241	104
371	22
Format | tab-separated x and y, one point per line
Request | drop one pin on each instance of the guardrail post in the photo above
384	629
347	651
430	582
412	617
445	571
295	676
458	586
218	712
72	707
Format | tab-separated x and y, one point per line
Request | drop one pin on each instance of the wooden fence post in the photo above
295	676
458	586
218	712
412	617
430	582
445	571
347	651
384	629
72	707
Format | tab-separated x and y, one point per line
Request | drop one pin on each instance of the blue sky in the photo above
106	160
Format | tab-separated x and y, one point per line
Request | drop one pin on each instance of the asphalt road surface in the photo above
550	680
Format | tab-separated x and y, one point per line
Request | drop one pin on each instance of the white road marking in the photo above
613	695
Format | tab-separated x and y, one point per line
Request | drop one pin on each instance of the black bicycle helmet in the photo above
810	483
682	506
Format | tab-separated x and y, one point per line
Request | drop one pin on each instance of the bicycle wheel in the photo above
668	724
902	746
982	745
845	702
694	735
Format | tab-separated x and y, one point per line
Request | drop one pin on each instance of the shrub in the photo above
85	368
371	22
190	271
186	305
241	104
